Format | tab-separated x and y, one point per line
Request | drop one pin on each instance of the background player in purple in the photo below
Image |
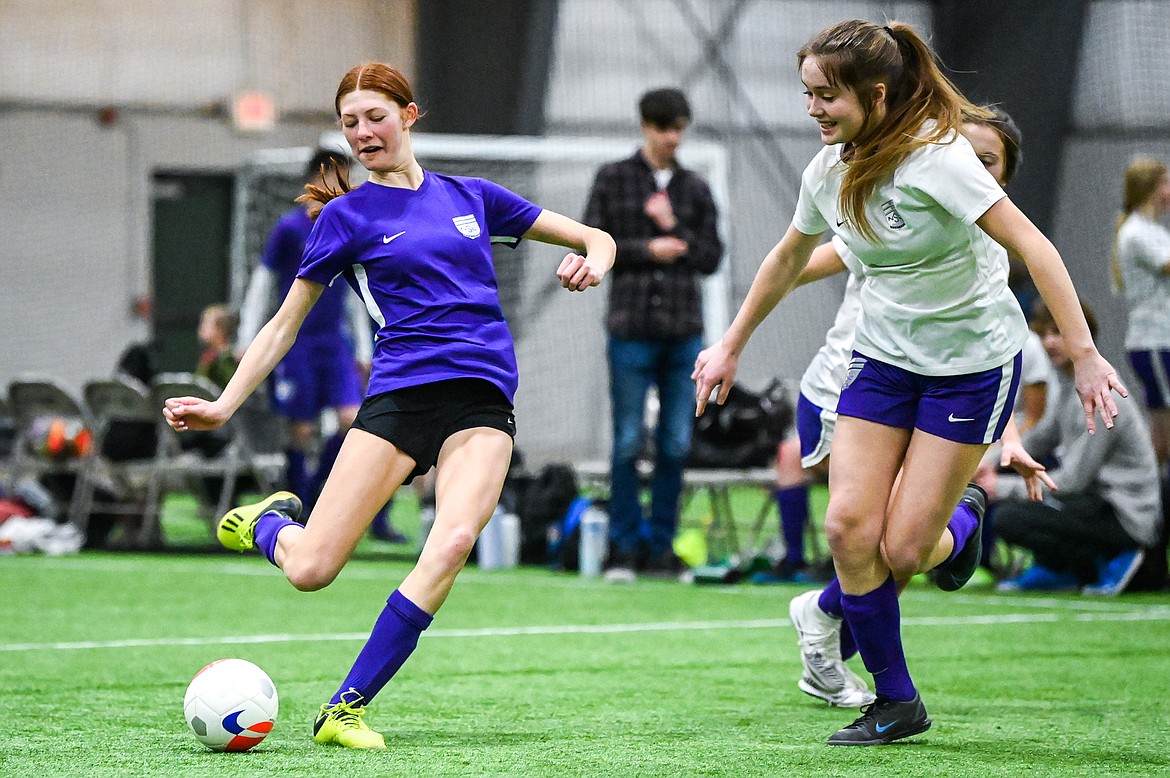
937	346
416	246
324	368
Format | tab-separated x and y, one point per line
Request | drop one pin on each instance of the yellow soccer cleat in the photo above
342	724
236	530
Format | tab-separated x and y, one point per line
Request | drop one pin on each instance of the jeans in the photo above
634	365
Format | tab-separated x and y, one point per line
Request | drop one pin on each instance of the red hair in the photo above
376	77
372	76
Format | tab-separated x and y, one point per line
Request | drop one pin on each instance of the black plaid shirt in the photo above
649	300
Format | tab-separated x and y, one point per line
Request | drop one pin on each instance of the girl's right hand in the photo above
1096	381
193	413
715	367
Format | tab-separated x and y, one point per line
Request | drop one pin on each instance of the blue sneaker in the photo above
1038	578
1113	575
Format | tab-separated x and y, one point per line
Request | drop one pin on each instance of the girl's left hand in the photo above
578	273
1034	474
1096	380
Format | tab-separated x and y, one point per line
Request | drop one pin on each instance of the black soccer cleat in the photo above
953	574
884	721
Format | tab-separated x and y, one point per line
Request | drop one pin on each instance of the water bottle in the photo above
594	541
509	539
489	546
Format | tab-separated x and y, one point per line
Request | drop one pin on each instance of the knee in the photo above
844	535
905	561
308	575
627	443
675	448
450	551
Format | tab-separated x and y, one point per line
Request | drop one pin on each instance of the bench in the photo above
716	485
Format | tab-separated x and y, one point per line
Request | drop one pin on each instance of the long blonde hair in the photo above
857	55
1141	181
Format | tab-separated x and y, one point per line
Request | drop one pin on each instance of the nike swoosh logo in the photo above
954	418
880	728
392	237
841	223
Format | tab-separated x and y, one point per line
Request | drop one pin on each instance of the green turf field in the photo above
531	673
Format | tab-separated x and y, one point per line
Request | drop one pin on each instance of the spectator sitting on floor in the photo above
1092	533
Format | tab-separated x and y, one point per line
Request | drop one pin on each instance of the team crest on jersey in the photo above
467	225
893	218
855	366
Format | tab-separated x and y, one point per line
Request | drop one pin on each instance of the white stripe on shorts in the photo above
1007	372
1158	366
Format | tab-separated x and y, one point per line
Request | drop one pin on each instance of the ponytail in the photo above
316	195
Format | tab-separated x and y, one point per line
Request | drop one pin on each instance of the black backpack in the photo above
543	503
744	431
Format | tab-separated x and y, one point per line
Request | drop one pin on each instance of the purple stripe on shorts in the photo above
972	408
1152	369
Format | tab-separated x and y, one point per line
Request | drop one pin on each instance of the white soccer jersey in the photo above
935	297
822	379
1143	249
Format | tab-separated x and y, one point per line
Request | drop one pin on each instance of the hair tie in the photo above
890	32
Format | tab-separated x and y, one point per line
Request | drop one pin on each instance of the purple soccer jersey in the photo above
421	261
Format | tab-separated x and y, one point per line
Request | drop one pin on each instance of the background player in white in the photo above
826	641
416	246
933	375
1141	271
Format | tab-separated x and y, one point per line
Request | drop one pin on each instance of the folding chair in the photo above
121	464
42	408
225	455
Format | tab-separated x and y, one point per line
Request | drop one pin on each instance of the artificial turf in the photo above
529	673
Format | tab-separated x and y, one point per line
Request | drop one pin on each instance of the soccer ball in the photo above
230	705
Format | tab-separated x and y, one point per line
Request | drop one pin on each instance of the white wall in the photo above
74	193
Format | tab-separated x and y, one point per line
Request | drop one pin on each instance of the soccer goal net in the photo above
562	406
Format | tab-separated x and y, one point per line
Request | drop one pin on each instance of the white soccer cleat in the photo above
825	675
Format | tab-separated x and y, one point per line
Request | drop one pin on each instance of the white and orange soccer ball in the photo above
231	705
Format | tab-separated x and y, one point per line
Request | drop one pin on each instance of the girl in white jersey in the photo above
416	246
1141	271
938	341
824	638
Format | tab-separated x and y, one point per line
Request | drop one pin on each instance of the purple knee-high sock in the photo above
830	603
962	526
297	473
268	526
792	503
876	622
830	599
393	639
329	451
848	642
